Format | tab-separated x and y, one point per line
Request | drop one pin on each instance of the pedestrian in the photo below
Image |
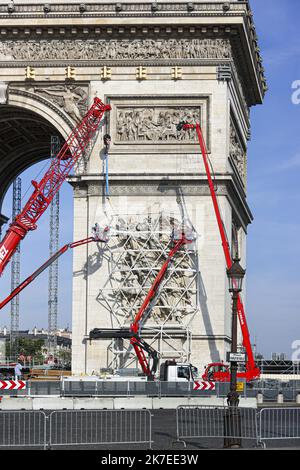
18	369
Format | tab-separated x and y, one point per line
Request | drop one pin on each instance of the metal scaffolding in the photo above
134	258
53	247
15	273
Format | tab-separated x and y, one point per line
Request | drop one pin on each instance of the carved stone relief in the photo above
72	99
157	124
113	49
3	93
67	101
142	122
237	153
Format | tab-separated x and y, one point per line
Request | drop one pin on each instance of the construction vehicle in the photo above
72	150
133	333
169	371
218	371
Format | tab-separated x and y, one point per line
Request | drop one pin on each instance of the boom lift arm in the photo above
44	191
252	371
44	266
139	345
135	339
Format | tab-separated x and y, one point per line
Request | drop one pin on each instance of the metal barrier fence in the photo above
157	388
95	427
90	388
279	424
37	429
290	390
150	389
210	422
270	389
28	429
22	429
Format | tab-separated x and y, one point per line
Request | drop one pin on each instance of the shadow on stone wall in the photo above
93	263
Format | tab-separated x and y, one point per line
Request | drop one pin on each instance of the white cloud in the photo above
290	163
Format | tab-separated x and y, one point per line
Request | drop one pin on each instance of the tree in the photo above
28	347
64	356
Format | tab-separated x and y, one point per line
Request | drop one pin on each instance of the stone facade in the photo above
182	61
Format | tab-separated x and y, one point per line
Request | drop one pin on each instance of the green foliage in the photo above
27	347
64	356
30	347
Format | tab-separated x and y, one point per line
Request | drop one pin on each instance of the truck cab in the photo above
171	371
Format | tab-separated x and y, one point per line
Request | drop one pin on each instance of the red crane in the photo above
44	191
252	371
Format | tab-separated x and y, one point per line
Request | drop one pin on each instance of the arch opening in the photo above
25	139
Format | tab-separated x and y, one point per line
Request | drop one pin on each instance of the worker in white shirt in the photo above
18	369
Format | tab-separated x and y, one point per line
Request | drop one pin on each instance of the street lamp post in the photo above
235	276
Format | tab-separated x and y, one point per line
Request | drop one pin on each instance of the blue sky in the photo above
273	303
34	251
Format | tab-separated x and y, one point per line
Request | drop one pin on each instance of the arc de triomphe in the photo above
156	63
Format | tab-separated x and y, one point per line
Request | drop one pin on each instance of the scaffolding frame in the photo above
53	248
134	257
15	273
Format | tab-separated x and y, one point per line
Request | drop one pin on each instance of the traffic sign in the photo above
12	384
236	357
240	386
198	385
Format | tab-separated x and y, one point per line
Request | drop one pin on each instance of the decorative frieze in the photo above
143	188
79	190
240	91
237	153
114	49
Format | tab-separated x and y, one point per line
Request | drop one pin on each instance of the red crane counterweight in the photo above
44	191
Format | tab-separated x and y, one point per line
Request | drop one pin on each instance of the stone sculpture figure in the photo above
71	99
237	153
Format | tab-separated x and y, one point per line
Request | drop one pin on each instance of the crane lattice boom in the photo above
44	191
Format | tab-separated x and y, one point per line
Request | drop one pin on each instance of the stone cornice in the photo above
118	8
106	20
115	63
